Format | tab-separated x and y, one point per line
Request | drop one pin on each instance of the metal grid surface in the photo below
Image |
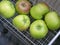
54	5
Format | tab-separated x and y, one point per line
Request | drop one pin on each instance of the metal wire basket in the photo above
25	36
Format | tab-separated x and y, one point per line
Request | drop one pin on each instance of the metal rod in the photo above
55	37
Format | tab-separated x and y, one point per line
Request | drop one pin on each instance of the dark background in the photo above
6	38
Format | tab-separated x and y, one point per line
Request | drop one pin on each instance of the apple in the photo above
22	22
19	0
23	7
39	10
5	0
52	20
38	29
59	18
7	9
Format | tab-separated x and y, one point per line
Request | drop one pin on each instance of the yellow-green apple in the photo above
19	0
22	22
38	10
7	9
38	29
59	19
52	20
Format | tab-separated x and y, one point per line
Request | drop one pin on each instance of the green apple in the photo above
38	29
39	10
59	18
7	9
19	0
52	20
23	7
22	22
5	0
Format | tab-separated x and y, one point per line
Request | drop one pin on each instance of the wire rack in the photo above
25	36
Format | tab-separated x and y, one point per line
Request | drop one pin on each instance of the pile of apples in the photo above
44	19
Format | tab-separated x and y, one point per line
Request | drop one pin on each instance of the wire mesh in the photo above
53	4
